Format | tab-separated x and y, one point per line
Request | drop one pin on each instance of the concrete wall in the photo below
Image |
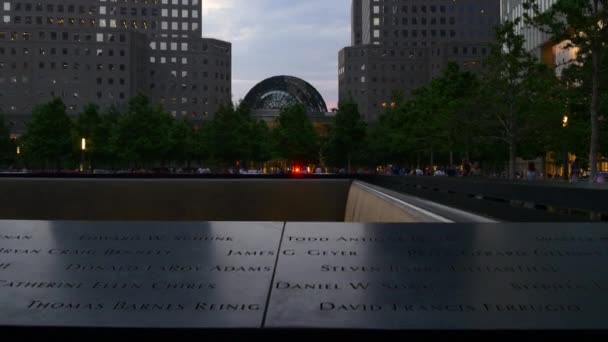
173	200
366	204
295	200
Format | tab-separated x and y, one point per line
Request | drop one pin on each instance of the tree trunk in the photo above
451	158
432	160
543	168
467	147
595	102
512	159
566	175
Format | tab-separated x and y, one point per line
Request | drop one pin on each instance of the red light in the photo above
297	170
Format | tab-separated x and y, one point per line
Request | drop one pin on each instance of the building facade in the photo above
105	52
407	43
356	23
538	43
511	10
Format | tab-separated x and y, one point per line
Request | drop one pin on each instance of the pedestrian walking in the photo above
575	171
532	174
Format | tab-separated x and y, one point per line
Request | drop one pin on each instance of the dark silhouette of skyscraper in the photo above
104	52
405	44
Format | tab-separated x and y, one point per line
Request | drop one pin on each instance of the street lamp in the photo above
18	150
83	148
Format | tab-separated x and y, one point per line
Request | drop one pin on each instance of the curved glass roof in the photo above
281	91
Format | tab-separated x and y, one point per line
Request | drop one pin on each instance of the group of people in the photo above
575	175
465	170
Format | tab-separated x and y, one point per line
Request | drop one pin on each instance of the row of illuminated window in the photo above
173	46
393	8
195	74
152	25
414	8
405	21
60	21
66	66
173	87
402	80
69	96
414	33
53	35
156	2
89	52
53	82
390	67
121	82
62	51
397	34
90	37
396	67
49	8
184	100
111	23
175	13
184	87
61	8
184	60
63	95
455	50
165	12
415	21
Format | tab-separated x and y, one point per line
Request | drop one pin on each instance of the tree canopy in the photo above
49	134
295	138
582	25
520	96
347	136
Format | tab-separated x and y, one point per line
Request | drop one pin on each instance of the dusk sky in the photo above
281	37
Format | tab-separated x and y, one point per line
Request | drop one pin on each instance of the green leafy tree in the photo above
518	93
260	145
295	138
454	98
395	138
181	139
143	134
229	135
48	137
87	126
584	25
431	131
347	135
604	124
201	143
107	150
572	135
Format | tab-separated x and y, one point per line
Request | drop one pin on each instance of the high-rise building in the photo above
105	51
537	42
510	10
405	44
357	23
